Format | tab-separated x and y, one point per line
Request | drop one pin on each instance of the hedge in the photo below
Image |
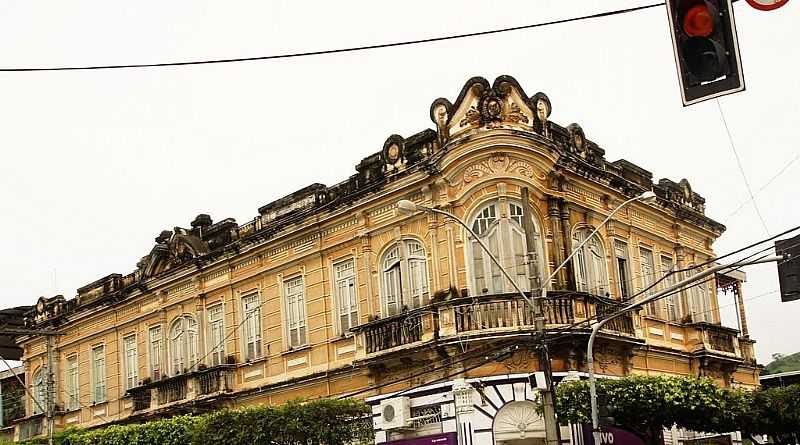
317	422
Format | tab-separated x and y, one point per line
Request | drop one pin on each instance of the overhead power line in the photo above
340	50
766	184
741	169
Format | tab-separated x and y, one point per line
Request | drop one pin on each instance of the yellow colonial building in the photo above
332	292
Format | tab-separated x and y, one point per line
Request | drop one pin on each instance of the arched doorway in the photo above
518	423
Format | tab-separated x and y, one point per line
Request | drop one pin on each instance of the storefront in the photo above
498	410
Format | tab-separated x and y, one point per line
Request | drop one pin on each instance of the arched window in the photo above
499	226
405	276
183	343
590	263
39	391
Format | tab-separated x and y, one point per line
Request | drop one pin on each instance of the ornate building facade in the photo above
332	292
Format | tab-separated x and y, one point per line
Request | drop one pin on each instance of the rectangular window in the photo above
295	312
672	302
155	352
71	383
700	302
646	269
216	335
251	308
345	286
98	374
623	272
130	362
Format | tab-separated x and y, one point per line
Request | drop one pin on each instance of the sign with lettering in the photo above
610	436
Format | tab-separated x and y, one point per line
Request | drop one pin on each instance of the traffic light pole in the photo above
597	326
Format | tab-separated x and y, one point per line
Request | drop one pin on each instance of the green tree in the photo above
775	412
646	405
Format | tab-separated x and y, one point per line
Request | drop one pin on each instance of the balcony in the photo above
172	389
388	333
200	384
215	380
504	314
718	339
31	427
511	312
142	398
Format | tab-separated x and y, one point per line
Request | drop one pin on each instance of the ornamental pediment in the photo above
481	105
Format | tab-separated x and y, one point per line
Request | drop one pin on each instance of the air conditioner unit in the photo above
395	413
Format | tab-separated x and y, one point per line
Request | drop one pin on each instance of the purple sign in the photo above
433	439
610	435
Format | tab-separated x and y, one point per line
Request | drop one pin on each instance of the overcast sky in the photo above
96	163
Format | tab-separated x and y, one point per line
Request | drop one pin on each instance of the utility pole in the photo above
551	429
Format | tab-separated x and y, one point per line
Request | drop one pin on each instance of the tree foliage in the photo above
775	412
317	422
646	405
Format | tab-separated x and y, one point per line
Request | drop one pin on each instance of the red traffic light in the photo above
698	21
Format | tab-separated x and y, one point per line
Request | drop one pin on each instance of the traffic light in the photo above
706	48
789	268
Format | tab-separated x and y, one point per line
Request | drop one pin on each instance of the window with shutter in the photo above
499	225
295	312
251	310
98	374
71	384
39	392
346	301
404	277
216	335
589	262
623	271
130	361
156	350
183	344
647	273
672	303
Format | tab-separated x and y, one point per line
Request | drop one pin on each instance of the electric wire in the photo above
340	50
741	168
766	184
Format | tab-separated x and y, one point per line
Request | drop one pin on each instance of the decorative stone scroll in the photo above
499	164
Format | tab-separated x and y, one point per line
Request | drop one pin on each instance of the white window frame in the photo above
700	301
295	305
647	277
216	334
591	271
621	252
346	294
38	391
155	336
98	373
130	361
672	304
183	343
252	336
404	276
498	223
71	383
